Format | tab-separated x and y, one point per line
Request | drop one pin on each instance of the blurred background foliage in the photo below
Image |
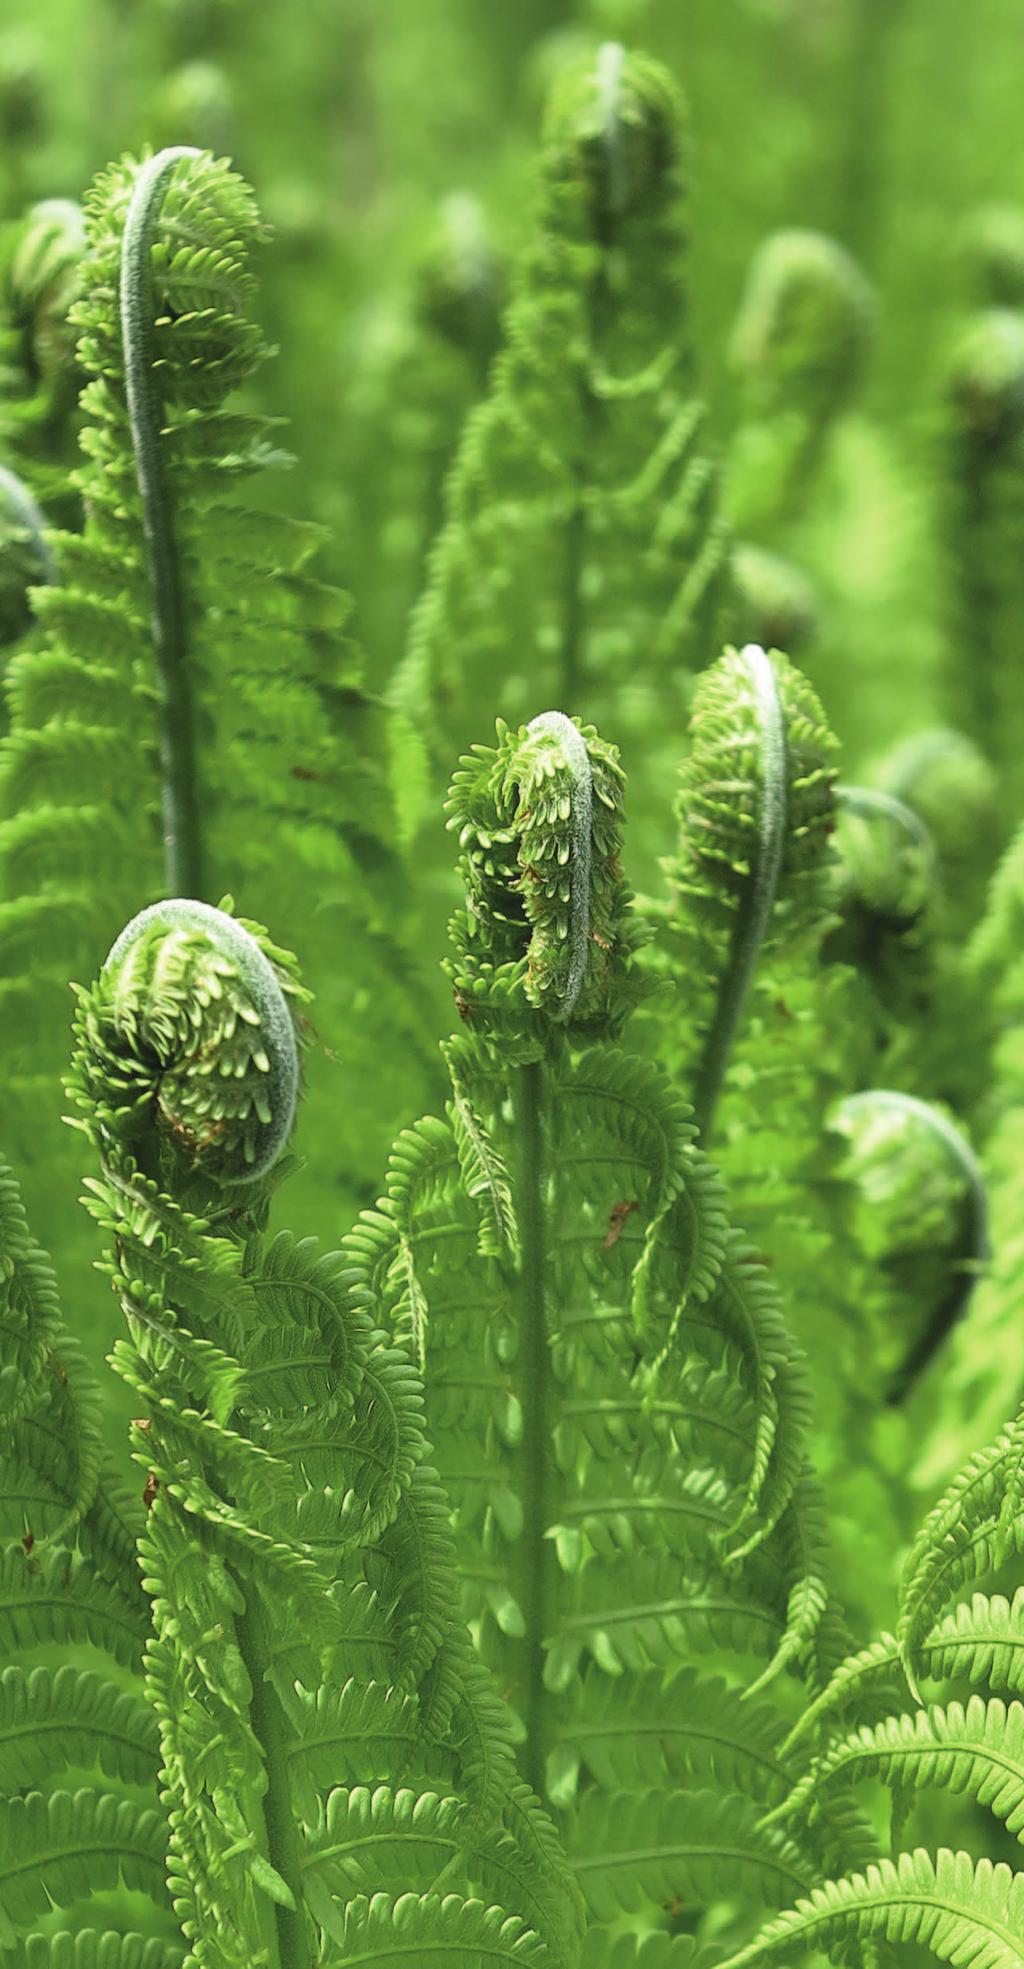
391	143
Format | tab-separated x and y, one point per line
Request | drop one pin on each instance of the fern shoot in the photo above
581	550
622	1431
337	1771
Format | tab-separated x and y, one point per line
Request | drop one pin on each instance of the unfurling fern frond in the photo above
582	560
983	532
337	1770
756	809
800	344
618	1413
193	672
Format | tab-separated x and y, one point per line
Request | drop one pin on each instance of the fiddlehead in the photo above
190	1024
546	923
756	811
324	1732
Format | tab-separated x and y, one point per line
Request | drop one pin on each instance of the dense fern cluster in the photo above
599	1546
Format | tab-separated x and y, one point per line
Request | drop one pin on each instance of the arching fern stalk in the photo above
192	662
582	559
337	1770
617	1410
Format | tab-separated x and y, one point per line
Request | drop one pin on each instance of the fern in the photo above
800	344
192	659
336	1770
581	559
618	1413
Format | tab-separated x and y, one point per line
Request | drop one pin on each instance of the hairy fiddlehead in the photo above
622	1432
581	545
338	1771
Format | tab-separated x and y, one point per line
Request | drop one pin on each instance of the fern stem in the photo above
756	904
535	1371
182	848
284	1926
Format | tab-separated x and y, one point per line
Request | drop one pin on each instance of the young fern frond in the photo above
617	1411
337	1771
192	661
582	559
967	1912
800	345
756	810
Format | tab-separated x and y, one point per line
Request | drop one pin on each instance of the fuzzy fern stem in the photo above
182	845
536	1369
755	912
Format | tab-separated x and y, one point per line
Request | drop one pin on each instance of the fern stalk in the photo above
170	641
755	910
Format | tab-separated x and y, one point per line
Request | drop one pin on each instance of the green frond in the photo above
966	1911
964	1536
49	1598
408	1929
92	1950
72	1717
975	1748
630	1851
57	1849
581	541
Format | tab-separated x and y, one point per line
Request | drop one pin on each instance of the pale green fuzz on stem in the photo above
190	1022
